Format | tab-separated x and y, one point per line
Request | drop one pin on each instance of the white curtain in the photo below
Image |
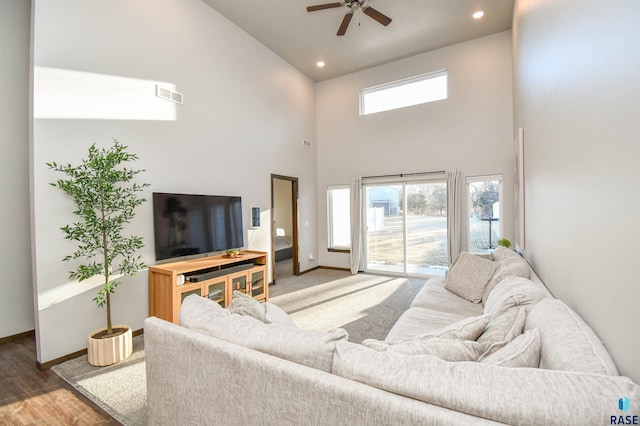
357	259
453	214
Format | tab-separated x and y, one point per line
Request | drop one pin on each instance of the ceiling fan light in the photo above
477	15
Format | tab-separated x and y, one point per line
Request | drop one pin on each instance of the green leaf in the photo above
105	196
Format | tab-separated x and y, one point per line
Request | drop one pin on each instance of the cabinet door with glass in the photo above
239	281
216	290
182	292
258	282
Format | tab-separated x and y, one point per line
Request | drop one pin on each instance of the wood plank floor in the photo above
32	397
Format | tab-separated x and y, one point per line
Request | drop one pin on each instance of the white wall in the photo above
245	113
577	95
471	131
16	303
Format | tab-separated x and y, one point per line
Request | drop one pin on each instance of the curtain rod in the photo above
401	175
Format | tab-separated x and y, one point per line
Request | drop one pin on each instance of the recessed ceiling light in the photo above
320	64
477	15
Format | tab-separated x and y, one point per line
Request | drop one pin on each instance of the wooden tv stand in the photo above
214	277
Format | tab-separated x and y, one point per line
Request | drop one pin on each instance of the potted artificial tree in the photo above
106	198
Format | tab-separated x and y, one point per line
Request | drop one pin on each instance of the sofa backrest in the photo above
509	263
568	343
513	291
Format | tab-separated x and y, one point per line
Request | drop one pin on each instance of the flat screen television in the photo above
189	224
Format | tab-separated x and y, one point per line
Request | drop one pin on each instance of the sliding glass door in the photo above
427	228
407	227
385	228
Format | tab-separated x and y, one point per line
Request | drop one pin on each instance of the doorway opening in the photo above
284	226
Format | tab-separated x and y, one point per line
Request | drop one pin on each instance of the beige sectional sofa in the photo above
487	345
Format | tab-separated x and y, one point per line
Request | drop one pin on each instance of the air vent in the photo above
306	143
176	97
168	95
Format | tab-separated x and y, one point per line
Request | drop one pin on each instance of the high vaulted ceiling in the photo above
302	38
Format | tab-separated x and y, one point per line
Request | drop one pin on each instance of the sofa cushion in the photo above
502	330
243	304
467	329
523	351
469	276
512	291
506	395
568	343
312	348
509	263
455	342
416	321
434	296
447	349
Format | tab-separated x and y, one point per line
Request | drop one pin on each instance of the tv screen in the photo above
187	224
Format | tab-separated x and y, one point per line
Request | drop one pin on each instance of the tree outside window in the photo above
484	195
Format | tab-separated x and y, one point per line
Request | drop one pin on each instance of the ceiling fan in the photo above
352	5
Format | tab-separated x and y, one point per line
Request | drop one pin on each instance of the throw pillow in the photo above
487	256
275	315
198	306
501	331
244	304
312	348
468	329
445	349
523	351
469	276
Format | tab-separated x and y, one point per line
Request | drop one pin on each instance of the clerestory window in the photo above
403	93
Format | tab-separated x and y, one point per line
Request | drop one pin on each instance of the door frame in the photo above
294	224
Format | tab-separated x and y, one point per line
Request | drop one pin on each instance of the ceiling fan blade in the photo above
323	6
380	17
345	23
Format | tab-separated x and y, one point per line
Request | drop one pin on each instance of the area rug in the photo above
365	305
120	389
